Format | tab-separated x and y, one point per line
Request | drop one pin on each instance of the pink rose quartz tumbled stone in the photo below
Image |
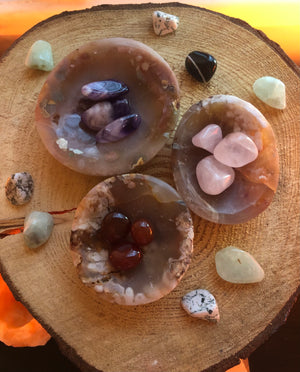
213	177
208	137
236	150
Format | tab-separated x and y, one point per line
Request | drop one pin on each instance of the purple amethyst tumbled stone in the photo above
119	129
103	90
104	112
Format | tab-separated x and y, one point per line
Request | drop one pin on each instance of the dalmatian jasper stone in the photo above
19	188
164	23
200	303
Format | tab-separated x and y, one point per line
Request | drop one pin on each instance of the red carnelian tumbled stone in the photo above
115	226
141	232
125	256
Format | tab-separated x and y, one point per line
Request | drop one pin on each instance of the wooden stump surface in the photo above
160	336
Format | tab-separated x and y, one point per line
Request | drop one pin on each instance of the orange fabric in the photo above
242	367
17	327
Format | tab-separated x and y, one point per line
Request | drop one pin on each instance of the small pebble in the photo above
201	66
118	129
38	227
142	232
208	137
236	150
103	113
237	266
271	91
214	177
40	56
104	90
164	23
19	188
200	303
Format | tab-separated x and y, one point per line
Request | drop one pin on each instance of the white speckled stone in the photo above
38	227
200	303
271	91
237	266
164	23
19	188
40	56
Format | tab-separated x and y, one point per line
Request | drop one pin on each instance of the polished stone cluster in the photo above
115	86
111	226
215	172
225	160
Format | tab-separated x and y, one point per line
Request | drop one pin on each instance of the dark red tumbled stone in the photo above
115	226
125	256
141	232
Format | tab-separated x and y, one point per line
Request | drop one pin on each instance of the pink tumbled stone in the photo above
236	150
208	137
213	177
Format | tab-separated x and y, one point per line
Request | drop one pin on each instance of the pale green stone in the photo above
237	266
271	91
40	56
38	227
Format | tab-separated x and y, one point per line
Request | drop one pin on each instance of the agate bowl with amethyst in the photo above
153	94
165	258
254	184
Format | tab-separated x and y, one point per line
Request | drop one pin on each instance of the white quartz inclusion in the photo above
40	56
237	266
200	303
271	91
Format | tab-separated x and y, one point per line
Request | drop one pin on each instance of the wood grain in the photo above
159	336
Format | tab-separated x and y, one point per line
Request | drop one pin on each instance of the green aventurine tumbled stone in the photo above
37	229
40	56
237	266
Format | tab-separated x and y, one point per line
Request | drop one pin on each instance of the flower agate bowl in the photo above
153	94
255	183
165	259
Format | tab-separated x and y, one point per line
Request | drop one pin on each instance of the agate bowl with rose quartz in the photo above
153	94
255	183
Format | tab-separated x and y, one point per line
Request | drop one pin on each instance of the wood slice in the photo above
160	336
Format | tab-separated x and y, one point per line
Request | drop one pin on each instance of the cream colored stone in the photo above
237	266
271	91
40	56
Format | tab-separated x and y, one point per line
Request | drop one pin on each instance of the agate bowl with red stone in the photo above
255	183
166	256
153	94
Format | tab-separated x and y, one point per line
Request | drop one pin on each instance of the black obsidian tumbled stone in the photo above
201	66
